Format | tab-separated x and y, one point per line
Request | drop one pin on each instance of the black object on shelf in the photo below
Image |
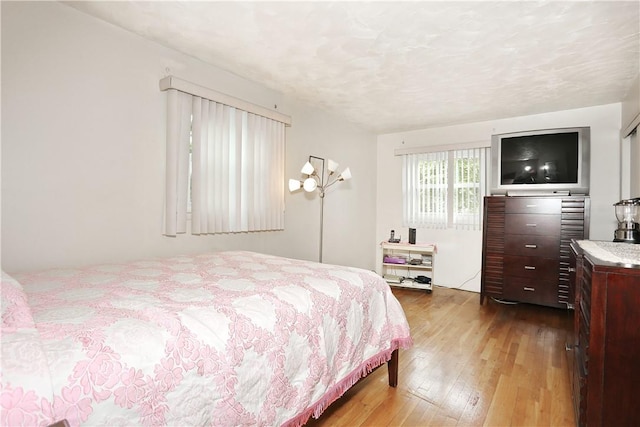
412	236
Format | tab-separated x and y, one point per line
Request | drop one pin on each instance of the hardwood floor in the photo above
471	365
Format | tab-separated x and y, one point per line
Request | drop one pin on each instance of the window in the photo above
224	165
444	189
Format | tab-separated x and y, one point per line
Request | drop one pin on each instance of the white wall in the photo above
633	183
630	147
631	107
349	206
459	255
83	150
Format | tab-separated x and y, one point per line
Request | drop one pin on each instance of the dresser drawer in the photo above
533	224
532	267
530	205
532	245
531	290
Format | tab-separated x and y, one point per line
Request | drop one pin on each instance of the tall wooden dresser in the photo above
525	249
604	351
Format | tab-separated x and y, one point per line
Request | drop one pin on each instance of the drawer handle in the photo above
529	289
572	270
532	206
531	225
529	267
531	246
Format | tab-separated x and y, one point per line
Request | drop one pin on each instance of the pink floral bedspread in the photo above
226	339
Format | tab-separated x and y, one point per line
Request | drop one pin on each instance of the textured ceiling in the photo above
391	66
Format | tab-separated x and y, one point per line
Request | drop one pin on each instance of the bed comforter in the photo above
227	339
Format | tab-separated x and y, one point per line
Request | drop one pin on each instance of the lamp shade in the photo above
307	169
332	166
294	185
345	175
309	185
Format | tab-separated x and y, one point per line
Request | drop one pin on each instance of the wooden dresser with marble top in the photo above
604	349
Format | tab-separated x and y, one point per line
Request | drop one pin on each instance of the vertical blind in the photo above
424	188
469	187
228	162
445	189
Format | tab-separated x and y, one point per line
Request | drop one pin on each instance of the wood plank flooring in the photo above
471	365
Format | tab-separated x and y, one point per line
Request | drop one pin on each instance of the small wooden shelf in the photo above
404	274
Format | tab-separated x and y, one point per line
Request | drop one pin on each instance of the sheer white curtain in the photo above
237	168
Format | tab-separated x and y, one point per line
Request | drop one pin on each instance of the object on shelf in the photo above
390	259
391	278
412	236
392	238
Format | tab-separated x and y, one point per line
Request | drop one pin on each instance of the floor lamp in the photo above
315	181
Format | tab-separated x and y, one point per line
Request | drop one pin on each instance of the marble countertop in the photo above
621	253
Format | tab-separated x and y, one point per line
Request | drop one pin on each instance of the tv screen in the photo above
539	159
543	161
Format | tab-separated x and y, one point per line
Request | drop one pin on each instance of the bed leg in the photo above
392	366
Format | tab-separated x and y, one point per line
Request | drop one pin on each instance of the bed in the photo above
230	338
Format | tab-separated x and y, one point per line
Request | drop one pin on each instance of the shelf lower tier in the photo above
409	266
408	283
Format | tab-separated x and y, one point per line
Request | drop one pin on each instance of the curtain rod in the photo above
437	148
172	82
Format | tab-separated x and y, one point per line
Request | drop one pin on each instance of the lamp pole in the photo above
321	188
321	221
316	181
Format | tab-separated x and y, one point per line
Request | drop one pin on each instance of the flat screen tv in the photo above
550	161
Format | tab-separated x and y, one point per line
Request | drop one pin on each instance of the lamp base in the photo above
626	236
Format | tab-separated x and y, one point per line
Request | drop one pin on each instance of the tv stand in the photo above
543	193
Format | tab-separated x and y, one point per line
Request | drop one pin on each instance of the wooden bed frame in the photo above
392	366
